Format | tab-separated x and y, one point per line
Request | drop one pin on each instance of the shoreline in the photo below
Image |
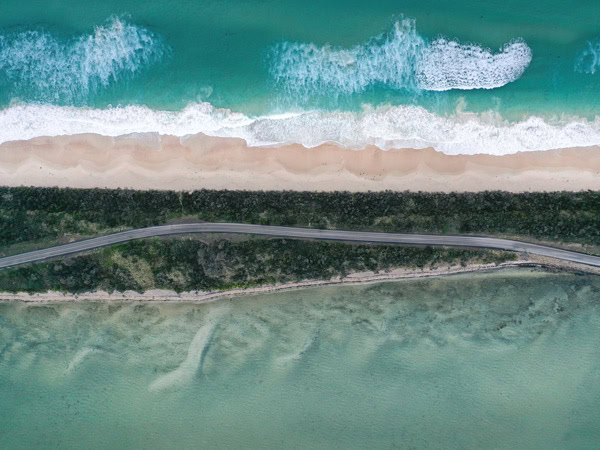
165	296
197	162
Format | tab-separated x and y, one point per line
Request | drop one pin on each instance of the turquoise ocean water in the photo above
463	76
501	360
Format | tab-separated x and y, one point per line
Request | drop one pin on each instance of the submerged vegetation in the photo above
30	214
193	263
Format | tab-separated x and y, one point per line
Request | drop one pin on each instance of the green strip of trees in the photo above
29	214
198	263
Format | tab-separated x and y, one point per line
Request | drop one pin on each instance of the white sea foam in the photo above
38	64
386	127
399	59
449	65
588	60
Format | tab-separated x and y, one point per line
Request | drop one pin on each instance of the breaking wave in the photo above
386	127
588	60
398	59
40	66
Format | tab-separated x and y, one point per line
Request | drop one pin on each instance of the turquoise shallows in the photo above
499	360
174	54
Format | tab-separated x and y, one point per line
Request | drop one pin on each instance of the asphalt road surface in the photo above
301	233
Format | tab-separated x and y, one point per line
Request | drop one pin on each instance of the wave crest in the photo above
385	127
399	59
40	66
449	65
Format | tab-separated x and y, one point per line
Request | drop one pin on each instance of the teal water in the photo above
506	61
220	50
503	360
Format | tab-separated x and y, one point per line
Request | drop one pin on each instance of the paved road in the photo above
301	233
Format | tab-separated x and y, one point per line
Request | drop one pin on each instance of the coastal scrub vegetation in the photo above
214	263
31	214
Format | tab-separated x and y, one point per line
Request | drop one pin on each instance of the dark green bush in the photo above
30	214
190	264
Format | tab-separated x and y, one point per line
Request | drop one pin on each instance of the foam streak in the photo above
588	60
385	127
398	59
41	66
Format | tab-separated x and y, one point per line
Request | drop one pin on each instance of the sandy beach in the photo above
167	162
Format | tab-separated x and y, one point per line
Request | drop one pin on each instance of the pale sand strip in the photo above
166	162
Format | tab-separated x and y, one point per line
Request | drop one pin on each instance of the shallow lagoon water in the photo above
504	360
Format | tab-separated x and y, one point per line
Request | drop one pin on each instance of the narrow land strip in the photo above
169	296
302	233
397	274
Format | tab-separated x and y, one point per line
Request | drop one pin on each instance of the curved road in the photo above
301	233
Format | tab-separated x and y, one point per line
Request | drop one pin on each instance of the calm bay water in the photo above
393	67
502	360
